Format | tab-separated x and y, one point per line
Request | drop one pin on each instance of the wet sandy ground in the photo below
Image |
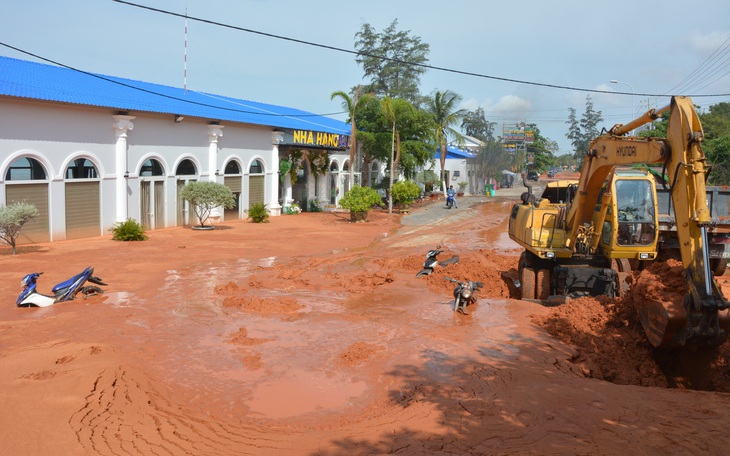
311	335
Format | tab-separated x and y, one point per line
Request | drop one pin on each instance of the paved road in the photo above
437	213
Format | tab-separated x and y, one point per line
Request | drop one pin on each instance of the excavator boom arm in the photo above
686	166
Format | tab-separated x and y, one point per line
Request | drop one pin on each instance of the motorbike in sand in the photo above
431	261
64	291
464	294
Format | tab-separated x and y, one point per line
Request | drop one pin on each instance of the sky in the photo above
653	50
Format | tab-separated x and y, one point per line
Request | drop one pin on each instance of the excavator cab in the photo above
629	227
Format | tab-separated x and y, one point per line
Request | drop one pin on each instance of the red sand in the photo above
310	335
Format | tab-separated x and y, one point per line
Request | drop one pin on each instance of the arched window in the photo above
232	168
151	167
346	167
81	168
25	169
257	167
186	168
333	167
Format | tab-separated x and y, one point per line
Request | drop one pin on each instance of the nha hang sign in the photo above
320	139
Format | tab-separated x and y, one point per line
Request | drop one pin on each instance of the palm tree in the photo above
351	104
445	116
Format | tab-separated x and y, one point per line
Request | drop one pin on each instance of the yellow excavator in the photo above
581	239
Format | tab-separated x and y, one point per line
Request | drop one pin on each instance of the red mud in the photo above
310	335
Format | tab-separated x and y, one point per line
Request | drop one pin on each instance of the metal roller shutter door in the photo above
234	185
37	230
255	190
82	210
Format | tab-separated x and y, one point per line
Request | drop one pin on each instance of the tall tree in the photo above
492	159
582	132
442	106
391	60
351	105
412	137
475	124
542	148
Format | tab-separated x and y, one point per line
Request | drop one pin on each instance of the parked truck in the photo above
718	201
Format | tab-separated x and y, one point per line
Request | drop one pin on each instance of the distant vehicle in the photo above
532	175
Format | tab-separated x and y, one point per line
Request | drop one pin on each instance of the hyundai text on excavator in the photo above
582	239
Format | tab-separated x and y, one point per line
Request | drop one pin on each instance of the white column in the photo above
214	132
277	137
122	124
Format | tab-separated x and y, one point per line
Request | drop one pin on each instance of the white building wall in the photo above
54	134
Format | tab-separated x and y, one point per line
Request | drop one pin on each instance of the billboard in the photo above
521	134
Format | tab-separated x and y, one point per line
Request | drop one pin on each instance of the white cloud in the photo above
708	42
512	103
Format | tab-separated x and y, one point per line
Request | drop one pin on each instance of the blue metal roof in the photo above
37	81
455	152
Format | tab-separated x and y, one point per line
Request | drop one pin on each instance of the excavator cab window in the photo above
635	214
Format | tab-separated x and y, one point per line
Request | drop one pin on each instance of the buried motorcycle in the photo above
464	294
431	262
64	291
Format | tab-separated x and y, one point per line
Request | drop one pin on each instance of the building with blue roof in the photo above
90	150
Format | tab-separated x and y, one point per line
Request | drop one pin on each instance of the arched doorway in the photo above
152	194
232	179
27	180
300	188
185	173
256	180
347	185
334	173
83	202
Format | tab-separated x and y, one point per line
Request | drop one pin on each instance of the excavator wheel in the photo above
542	290
527	279
526	275
623	268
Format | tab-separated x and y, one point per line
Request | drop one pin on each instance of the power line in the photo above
403	62
697	71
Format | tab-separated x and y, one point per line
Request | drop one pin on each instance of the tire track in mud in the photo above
123	414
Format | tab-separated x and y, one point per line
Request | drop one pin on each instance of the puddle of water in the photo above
120	299
267	262
302	392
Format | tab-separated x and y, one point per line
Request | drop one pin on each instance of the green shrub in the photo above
361	199
12	219
205	196
129	230
314	206
258	213
405	191
291	210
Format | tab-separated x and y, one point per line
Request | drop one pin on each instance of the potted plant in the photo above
462	187
404	192
360	200
206	196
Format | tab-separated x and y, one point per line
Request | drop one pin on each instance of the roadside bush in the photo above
258	213
361	199
314	206
404	192
128	230
205	196
293	209
12	219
